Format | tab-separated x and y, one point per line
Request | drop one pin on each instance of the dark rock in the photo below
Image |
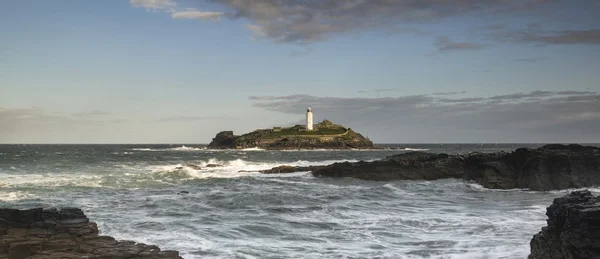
573	230
408	166
214	165
192	166
223	139
290	169
550	167
64	233
183	192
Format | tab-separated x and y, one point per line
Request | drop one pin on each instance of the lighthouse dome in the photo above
309	109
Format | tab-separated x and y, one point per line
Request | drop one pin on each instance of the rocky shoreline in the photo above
551	167
64	233
573	229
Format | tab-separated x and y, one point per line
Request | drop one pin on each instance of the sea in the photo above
146	193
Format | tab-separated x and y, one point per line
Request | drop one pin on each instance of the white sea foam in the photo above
232	168
414	149
15	196
182	148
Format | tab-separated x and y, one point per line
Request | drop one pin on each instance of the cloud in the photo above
530	60
449	93
538	116
153	4
444	44
196	14
90	114
193	118
308	21
591	36
461	100
540	37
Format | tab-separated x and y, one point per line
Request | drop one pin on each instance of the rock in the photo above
192	166
573	230
289	169
223	139
408	166
183	192
64	233
214	165
551	167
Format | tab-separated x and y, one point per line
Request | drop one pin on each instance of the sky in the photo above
398	71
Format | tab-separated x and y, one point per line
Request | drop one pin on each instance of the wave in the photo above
182	148
15	196
215	168
414	149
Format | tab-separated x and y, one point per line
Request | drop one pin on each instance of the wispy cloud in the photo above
193	118
153	4
444	44
195	14
591	36
91	114
530	60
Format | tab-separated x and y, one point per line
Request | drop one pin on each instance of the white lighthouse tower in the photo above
309	119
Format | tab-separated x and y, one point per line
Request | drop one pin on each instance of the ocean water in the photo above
137	192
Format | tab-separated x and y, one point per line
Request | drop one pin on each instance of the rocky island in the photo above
323	135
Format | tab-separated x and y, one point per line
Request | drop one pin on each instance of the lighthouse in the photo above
309	119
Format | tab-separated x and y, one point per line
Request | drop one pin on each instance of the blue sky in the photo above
169	71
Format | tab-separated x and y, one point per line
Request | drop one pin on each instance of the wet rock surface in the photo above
64	233
573	230
409	166
551	167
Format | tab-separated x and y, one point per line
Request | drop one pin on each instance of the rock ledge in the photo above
65	233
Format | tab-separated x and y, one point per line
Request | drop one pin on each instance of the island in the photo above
323	135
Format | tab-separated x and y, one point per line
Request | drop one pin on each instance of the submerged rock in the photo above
573	230
284	169
195	167
64	233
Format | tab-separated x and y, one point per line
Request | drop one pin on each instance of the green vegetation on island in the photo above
325	134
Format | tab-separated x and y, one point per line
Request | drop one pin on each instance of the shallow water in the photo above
133	192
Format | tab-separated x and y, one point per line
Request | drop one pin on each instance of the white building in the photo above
309	119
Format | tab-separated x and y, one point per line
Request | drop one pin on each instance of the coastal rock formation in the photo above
64	233
284	169
325	135
573	230
551	167
409	166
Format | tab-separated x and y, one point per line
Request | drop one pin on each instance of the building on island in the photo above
309	119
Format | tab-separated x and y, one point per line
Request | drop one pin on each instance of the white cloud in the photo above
153	4
196	14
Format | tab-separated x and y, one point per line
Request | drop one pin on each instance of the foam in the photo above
15	196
